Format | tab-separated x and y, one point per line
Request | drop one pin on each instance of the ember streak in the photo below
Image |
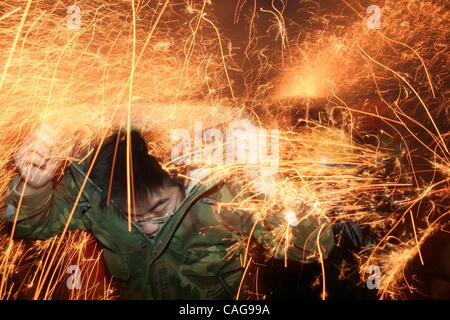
356	94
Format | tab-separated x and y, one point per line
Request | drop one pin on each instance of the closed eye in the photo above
159	205
155	212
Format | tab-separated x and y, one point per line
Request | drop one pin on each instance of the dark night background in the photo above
297	281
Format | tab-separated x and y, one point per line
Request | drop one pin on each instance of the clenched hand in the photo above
39	157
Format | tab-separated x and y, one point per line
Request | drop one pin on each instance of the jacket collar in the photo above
92	192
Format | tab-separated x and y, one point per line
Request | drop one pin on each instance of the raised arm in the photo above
38	207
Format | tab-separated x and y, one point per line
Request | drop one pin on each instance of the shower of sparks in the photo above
160	65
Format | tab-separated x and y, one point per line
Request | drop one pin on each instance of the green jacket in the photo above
187	258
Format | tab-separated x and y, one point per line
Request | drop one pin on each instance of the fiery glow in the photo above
164	65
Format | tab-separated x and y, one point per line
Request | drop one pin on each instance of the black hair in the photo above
110	169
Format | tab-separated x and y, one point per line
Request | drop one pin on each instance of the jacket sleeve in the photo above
45	212
311	240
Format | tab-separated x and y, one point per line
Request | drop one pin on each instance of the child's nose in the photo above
151	228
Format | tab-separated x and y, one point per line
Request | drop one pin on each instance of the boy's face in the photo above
156	208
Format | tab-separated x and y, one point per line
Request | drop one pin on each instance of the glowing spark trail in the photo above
362	116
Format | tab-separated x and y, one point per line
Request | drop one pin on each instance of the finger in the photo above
25	158
42	150
35	177
33	144
29	173
34	159
52	166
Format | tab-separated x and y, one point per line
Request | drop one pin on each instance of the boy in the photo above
178	244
